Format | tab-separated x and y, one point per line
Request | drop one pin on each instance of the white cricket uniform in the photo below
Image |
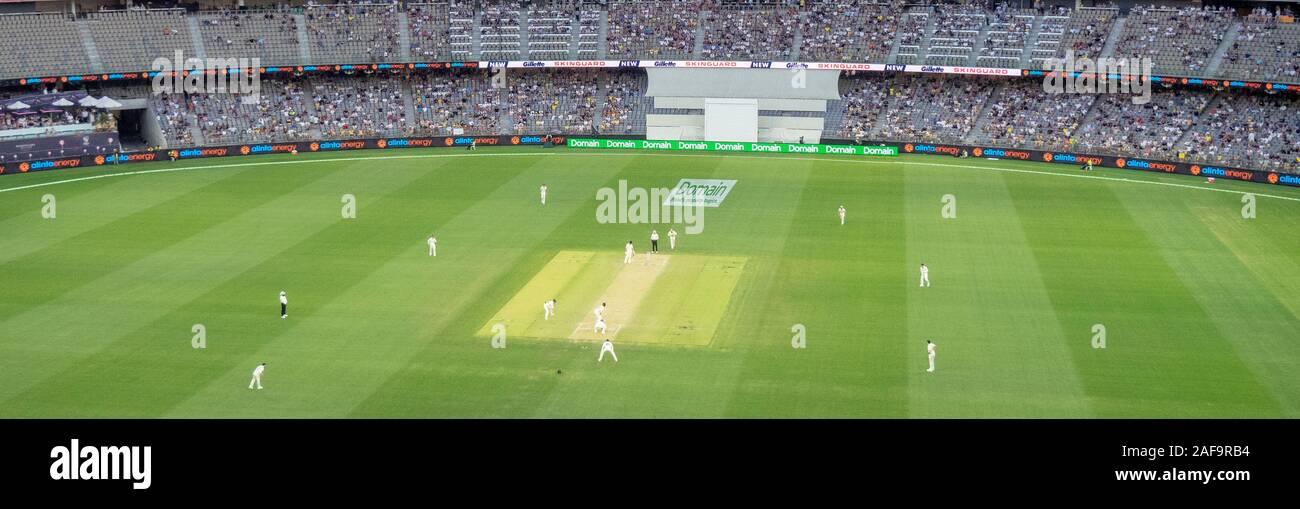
543	195
672	239
548	309
925	276
433	246
842	215
929	349
600	312
627	253
257	377
607	346
600	326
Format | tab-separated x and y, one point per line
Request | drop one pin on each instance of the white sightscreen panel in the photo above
731	119
749	83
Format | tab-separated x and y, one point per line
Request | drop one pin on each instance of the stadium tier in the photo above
1222	127
1261	45
1201	126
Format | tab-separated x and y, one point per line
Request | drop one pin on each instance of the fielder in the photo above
600	326
672	239
654	241
842	212
925	275
607	346
433	246
627	253
929	352
548	309
257	376
543	194
284	305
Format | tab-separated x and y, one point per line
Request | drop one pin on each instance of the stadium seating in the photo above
500	30
1085	34
271	36
652	30
1227	127
456	103
1021	114
1178	41
1264	49
428	25
352	33
956	32
1252	131
131	40
1150	131
60	49
742	33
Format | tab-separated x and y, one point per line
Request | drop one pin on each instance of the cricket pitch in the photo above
670	299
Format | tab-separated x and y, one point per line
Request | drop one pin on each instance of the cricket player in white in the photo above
627	253
543	194
600	326
925	275
257	376
599	311
548	308
433	246
284	305
672	239
842	214
607	346
929	352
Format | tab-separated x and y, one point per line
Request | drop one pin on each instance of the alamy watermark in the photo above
683	204
238	76
1104	75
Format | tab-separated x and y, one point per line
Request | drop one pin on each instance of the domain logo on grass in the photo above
700	192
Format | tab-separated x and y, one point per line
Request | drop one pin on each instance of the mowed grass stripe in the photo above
824	273
460	375
1000	350
653	379
101	365
1163	355
84	208
391	313
130	238
1238	277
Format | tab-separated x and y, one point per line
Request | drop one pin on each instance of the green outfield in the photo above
102	303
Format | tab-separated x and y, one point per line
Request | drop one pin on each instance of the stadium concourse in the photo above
1227	127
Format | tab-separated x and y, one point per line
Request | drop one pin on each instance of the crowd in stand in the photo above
539	101
1022	114
1196	125
733	33
933	109
427	25
447	104
1264	48
1086	34
1228	127
1150	130
272	35
1252	131
351	32
1177	40
652	29
849	31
